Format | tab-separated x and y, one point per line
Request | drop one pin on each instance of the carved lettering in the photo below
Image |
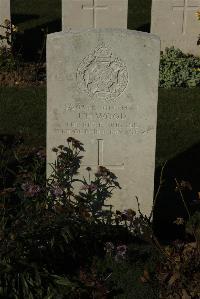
95	131
111	116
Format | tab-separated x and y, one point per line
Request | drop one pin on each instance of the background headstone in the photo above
102	89
4	14
81	14
175	22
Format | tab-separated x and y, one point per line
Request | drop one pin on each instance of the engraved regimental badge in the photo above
101	75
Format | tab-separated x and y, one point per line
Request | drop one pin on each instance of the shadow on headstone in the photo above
169	205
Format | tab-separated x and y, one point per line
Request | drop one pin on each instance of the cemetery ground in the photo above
23	113
38	238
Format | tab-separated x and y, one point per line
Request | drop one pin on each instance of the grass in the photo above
139	15
178	127
24	110
35	13
126	275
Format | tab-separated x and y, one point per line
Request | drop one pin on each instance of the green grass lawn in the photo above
178	127
24	110
33	13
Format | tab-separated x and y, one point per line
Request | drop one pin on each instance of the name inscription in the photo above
88	119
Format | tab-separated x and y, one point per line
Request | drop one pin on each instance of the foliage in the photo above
178	272
60	238
179	276
14	71
178	69
49	233
193	226
8	61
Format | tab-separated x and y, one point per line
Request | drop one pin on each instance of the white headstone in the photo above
4	15
84	14
102	89
175	22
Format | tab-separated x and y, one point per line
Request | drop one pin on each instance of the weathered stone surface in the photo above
4	14
175	22
84	14
102	89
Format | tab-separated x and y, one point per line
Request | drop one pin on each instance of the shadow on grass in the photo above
144	28
30	43
169	205
139	15
20	18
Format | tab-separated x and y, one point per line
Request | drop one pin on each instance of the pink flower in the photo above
30	189
41	154
57	190
121	251
91	187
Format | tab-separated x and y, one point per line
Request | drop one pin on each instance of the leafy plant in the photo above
178	69
14	70
48	233
8	59
61	241
178	272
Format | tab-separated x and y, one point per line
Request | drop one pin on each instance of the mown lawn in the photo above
34	13
23	110
178	127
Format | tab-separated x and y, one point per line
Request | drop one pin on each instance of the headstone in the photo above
102	89
4	15
175	22
84	14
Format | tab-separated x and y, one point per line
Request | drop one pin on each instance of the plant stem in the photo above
158	190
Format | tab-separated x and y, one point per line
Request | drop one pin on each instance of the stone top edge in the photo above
112	30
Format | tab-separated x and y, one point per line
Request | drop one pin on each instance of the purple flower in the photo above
128	214
56	190
41	154
30	189
91	187
109	247
121	251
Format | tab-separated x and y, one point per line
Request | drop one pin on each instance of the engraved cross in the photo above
94	9
184	7
100	157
